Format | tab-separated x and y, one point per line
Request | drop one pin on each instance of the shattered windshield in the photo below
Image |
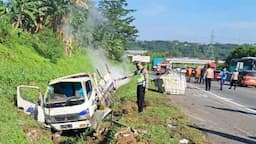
64	93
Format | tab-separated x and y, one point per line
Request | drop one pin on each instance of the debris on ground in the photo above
56	138
170	124
125	136
130	136
33	134
141	131
184	141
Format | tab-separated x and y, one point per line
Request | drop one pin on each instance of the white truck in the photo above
70	102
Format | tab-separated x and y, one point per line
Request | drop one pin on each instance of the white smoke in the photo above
84	35
67	31
99	61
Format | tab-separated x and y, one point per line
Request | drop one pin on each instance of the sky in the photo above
204	21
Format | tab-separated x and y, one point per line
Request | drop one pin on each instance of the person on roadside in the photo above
223	77
189	73
197	74
234	79
202	75
141	75
208	76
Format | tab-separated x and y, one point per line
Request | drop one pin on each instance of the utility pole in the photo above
211	47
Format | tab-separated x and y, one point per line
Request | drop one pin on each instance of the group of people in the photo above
206	75
198	74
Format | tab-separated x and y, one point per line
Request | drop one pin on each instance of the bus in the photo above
243	64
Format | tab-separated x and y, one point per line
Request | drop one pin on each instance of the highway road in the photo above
227	117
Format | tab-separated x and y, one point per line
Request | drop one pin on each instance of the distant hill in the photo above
185	49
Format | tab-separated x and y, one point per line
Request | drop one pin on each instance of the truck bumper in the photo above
71	125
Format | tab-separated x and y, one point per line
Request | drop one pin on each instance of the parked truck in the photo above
72	102
156	61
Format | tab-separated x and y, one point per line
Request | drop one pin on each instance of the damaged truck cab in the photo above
70	102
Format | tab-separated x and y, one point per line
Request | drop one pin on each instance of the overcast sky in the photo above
228	21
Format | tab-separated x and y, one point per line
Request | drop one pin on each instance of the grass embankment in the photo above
21	63
159	111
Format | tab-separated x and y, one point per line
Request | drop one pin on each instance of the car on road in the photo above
183	70
247	78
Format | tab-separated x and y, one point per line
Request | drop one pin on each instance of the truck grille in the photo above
65	118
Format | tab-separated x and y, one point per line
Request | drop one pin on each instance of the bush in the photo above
5	29
48	46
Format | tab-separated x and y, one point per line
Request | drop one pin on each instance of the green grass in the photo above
10	131
21	64
154	117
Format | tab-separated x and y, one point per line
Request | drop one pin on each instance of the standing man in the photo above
141	75
189	73
223	77
234	79
197	74
202	75
208	75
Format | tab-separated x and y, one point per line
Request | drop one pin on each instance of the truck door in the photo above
30	100
90	96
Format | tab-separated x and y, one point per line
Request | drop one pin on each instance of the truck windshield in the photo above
64	94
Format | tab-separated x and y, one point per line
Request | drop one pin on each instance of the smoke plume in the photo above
84	34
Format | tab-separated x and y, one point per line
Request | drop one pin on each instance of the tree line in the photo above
185	49
216	51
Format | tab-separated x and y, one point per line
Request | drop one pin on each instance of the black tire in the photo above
240	83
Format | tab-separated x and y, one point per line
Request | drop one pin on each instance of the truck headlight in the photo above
84	114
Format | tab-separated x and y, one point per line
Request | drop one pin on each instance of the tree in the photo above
43	7
26	14
242	51
3	8
117	31
23	12
58	9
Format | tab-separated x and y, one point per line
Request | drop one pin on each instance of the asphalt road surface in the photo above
227	117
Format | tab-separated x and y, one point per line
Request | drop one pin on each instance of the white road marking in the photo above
226	99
